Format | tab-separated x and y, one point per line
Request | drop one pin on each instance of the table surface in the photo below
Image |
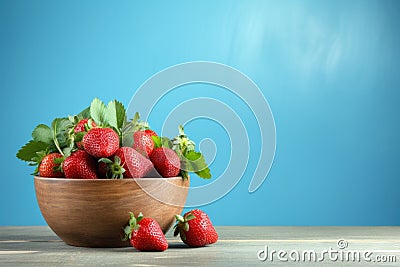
237	246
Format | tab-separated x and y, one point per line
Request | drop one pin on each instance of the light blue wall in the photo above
329	70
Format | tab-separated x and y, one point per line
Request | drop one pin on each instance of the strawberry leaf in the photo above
115	114
166	142
157	141
189	217
185	175
205	173
59	160
84	114
98	112
79	136
30	150
60	128
42	133
161	141
194	161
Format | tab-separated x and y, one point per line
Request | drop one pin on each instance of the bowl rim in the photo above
106	179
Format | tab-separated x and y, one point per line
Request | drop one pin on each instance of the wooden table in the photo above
237	246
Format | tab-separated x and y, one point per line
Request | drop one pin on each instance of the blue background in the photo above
329	70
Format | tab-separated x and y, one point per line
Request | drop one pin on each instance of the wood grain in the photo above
92	213
237	246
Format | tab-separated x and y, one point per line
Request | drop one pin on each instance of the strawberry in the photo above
80	165
145	234
166	161
81	127
143	141
110	168
101	142
134	164
102	169
195	229
49	168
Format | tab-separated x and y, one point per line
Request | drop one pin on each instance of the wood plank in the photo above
238	246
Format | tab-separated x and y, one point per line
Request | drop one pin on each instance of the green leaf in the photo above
157	141
30	150
127	136
98	112
189	217
166	142
105	160
84	114
205	173
194	162
79	136
136	118
161	142
59	160
179	218
67	151
60	128
42	133
193	155
185	227
116	114
185	175
139	217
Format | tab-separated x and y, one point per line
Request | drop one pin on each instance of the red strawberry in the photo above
145	234
80	165
102	169
195	229
134	164
166	161
48	168
101	142
143	143
82	126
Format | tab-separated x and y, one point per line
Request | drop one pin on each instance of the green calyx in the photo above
114	169
182	143
191	160
182	225
132	225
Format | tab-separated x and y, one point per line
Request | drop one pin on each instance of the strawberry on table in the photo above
195	229
49	168
80	165
145	234
166	161
101	142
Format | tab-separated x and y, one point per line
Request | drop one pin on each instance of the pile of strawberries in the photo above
194	227
100	155
100	142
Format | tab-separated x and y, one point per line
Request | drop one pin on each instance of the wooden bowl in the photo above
92	213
